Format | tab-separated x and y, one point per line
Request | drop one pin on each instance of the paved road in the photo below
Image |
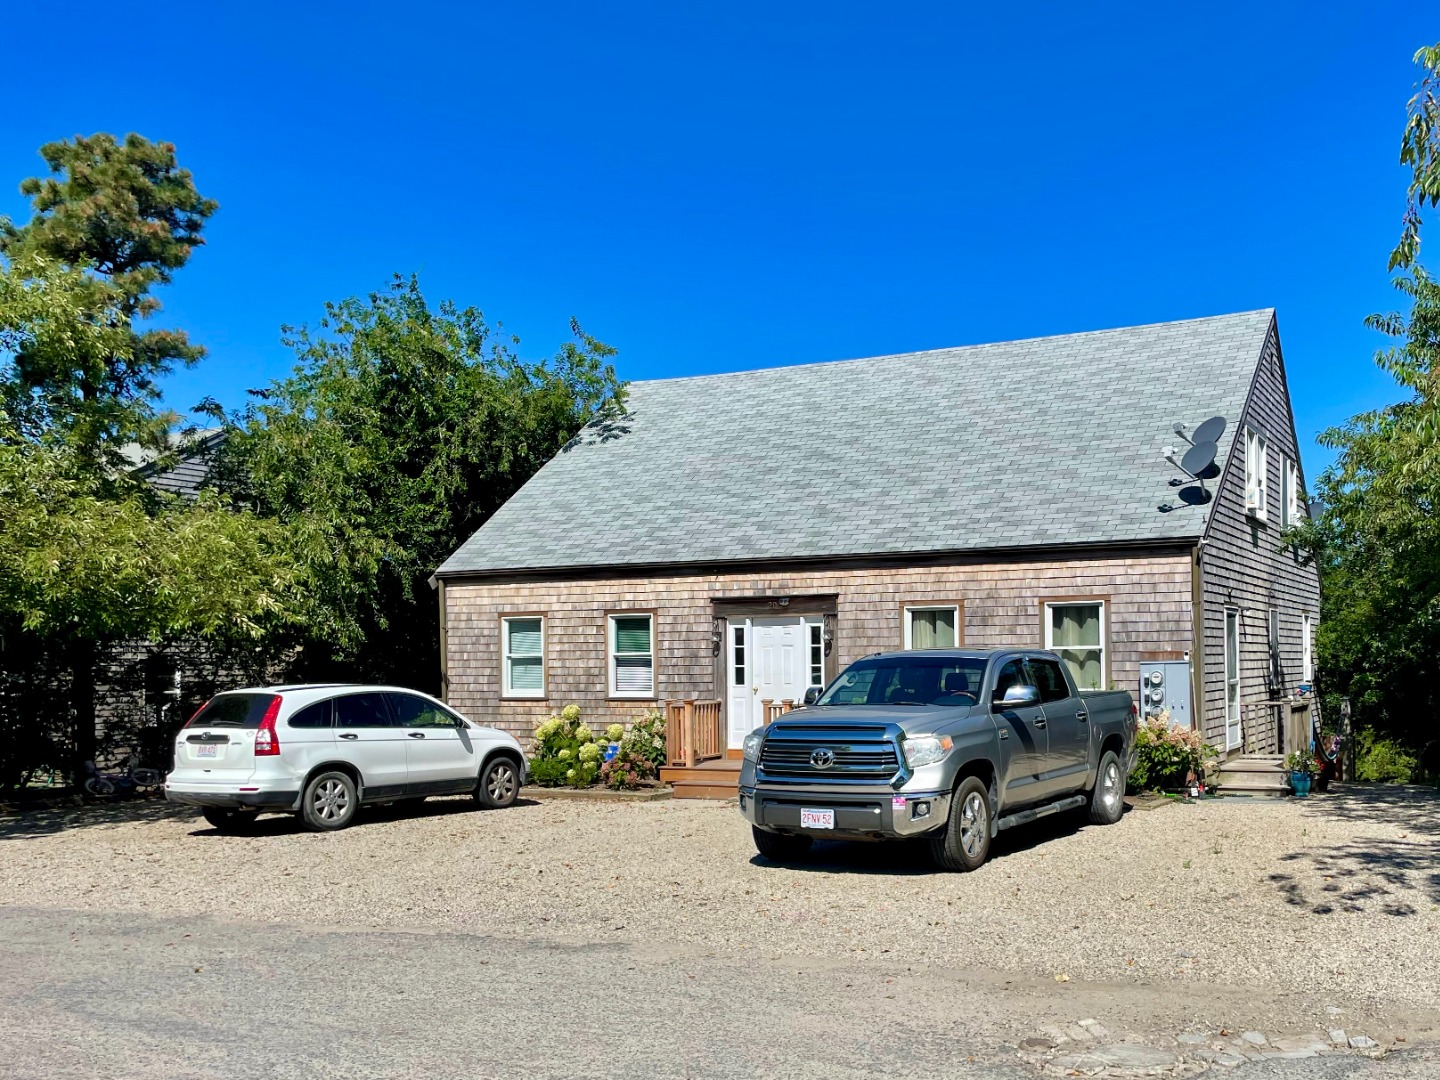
136	997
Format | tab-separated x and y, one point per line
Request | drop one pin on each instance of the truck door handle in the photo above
1040	722
348	735
416	734
1082	716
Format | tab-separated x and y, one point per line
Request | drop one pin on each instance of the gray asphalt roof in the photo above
1028	443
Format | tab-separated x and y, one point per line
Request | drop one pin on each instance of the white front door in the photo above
769	659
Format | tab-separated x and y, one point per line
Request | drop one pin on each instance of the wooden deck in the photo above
717	779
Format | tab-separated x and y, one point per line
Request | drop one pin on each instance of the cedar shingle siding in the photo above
1149	595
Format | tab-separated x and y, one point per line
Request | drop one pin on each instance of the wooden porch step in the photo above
718	779
1255	774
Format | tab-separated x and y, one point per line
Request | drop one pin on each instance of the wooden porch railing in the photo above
694	731
773	708
1277	726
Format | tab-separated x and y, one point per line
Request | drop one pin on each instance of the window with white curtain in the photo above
524	655
1077	632
632	656
932	627
1257	471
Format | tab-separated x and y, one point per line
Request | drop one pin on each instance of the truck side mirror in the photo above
1019	696
812	694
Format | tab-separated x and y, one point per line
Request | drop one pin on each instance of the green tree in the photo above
1420	150
401	429
126	216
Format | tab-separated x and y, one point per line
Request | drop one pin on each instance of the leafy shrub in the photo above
1166	755
614	733
646	739
563	751
1384	760
626	770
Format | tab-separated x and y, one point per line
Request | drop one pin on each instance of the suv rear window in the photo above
233	710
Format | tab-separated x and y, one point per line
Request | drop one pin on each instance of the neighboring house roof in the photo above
1051	441
192	469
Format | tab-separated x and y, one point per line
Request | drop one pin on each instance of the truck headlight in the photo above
750	748
926	749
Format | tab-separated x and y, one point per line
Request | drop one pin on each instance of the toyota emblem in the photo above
822	757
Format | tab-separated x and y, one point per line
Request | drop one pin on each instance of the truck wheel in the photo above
777	847
965	844
1107	797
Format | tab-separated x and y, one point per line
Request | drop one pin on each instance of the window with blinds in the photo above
632	656
524	655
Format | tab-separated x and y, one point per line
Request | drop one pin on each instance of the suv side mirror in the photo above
1019	696
812	694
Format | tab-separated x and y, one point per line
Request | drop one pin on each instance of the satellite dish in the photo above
1199	460
1210	430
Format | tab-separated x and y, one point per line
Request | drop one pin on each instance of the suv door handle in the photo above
1082	716
348	735
416	734
1040	722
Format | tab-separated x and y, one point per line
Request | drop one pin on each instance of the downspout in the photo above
439	586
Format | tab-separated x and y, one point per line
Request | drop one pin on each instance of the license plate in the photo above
210	750
817	819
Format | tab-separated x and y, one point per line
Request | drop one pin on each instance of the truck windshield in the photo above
908	680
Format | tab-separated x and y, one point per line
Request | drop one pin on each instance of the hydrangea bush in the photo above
564	751
1166	755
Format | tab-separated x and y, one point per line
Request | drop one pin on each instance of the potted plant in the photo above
1300	765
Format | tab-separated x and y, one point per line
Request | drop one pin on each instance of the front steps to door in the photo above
719	779
1261	775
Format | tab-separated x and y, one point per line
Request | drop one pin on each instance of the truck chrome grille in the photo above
796	757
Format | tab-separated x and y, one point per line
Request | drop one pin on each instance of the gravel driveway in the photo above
1339	894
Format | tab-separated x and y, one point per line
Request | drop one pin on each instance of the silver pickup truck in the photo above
952	745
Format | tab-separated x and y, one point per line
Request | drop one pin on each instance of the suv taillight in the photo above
267	742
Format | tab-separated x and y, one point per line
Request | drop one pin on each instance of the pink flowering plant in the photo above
1167	755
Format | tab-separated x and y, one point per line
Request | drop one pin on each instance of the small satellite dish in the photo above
1210	430
1199	460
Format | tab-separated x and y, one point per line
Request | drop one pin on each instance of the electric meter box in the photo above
1165	684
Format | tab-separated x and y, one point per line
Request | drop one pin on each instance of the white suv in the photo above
320	751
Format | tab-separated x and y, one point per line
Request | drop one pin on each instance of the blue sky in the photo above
728	187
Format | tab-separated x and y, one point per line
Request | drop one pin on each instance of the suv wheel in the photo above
223	820
780	848
499	784
965	843
1107	797
330	802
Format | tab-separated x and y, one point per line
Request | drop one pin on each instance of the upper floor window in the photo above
935	627
1257	471
524	655
1077	632
632	656
1289	494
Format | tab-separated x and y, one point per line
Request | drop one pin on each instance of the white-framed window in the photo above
1232	678
1289	494
932	626
1307	649
737	656
1257	471
815	652
523	655
632	655
1076	630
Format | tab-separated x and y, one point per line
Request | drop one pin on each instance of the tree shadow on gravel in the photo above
912	857
1388	875
31	824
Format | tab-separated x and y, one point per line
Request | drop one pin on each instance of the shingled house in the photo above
735	539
